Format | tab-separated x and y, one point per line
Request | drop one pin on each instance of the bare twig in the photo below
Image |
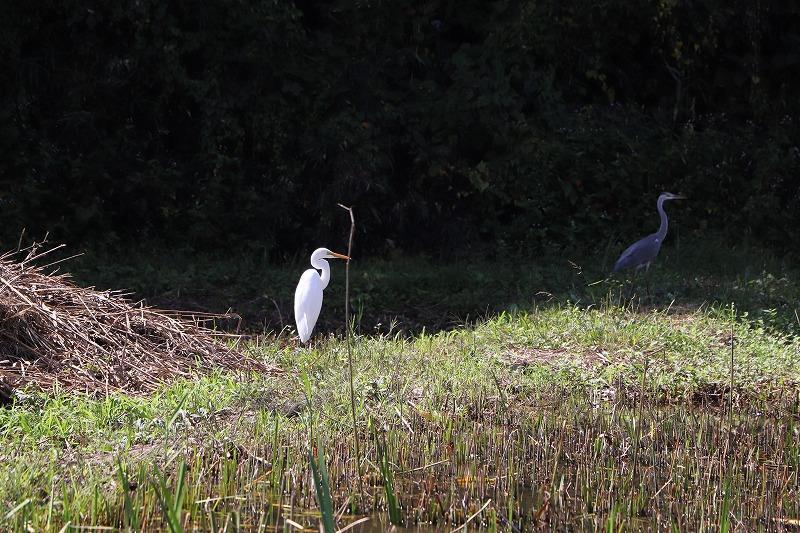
730	392
349	334
354	524
21	236
476	513
638	428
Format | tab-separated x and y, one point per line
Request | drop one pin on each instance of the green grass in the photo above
535	411
582	409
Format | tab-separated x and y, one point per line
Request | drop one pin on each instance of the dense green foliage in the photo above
526	122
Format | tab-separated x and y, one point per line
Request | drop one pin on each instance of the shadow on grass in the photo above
410	295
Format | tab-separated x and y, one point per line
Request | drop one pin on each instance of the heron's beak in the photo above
339	256
679	197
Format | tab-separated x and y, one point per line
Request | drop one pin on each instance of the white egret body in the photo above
308	295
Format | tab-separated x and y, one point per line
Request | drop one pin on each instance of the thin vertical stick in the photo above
349	342
730	392
638	428
637	431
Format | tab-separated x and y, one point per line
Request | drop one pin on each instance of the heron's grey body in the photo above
642	252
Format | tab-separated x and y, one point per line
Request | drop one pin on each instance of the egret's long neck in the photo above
662	230
323	265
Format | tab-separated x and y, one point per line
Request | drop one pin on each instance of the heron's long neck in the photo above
662	230
326	271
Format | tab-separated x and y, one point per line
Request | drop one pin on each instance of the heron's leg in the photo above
647	279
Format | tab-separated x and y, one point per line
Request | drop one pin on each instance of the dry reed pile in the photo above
56	334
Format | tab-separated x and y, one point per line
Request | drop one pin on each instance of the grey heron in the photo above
644	251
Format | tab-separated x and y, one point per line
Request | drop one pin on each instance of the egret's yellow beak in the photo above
339	256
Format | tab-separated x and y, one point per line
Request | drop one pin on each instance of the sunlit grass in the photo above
536	412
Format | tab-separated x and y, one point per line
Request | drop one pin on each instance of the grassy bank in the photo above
564	416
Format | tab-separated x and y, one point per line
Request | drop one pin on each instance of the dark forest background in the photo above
224	125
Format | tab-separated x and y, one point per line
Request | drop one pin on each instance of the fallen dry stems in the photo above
55	333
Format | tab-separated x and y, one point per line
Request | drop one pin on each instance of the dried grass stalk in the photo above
54	333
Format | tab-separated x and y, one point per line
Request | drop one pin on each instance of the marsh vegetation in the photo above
595	412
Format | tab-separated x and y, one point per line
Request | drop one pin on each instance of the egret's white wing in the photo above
307	303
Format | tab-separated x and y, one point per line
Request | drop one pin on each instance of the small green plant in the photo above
322	486
316	461
131	516
171	502
387	477
725	509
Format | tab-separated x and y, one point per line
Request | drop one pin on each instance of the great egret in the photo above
308	295
642	252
